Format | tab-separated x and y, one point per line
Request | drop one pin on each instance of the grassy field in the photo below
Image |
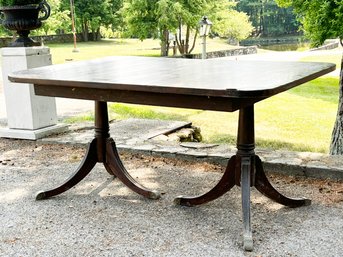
90	50
332	57
300	119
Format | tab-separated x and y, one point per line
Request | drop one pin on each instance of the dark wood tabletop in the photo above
212	77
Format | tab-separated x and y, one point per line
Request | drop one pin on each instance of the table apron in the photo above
213	103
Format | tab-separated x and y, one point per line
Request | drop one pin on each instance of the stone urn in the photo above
24	18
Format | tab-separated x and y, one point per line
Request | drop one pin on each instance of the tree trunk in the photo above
98	35
85	30
179	43
336	147
188	33
260	30
165	43
194	40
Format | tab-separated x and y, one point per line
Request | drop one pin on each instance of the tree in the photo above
91	15
233	25
322	20
159	18
186	14
58	20
268	18
140	18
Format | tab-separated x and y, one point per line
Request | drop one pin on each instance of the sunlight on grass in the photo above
300	119
332	57
124	111
91	50
120	47
304	122
80	118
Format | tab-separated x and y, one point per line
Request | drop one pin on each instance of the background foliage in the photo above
169	20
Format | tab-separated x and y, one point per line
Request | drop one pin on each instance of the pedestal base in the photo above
33	134
101	149
25	110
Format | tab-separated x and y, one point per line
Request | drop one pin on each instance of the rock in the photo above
191	134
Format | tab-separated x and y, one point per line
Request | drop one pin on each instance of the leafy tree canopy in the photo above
91	15
268	18
58	21
159	18
321	19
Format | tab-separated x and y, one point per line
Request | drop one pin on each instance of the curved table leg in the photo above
224	185
114	164
263	185
80	173
108	169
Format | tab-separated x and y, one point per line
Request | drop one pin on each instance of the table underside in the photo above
211	103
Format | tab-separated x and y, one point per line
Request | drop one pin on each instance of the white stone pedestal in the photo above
28	116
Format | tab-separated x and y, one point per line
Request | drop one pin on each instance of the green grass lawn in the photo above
300	119
91	50
331	56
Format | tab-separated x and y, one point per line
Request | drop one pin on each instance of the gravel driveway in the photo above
100	217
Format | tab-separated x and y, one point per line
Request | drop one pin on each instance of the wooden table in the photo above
215	84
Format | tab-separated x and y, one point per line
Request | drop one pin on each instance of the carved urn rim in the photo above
19	7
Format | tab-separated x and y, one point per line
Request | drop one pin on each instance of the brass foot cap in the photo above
248	243
40	196
154	195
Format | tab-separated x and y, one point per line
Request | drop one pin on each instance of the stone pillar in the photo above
28	116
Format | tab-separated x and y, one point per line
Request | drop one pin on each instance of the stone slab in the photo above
145	129
33	134
128	132
196	145
136	135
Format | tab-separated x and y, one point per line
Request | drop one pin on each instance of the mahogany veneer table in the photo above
215	84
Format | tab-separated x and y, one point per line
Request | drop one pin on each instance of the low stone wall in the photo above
60	38
272	41
5	41
224	53
327	46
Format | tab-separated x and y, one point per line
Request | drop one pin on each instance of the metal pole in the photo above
72	11
203	56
